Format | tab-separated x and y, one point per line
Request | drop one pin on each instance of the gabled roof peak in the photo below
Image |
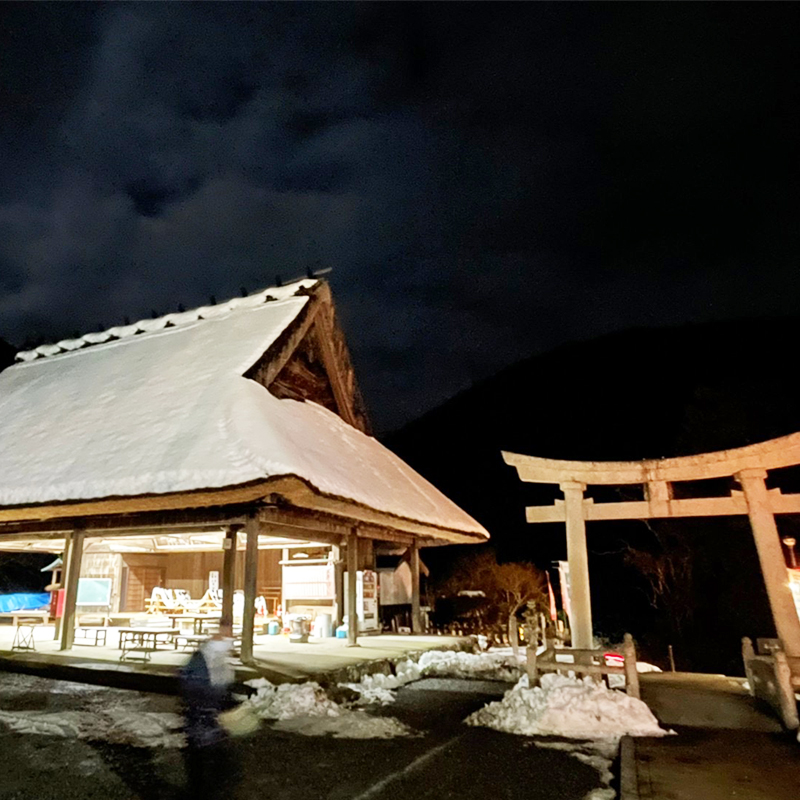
267	295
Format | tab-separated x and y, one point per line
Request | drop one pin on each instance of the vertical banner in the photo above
563	572
552	598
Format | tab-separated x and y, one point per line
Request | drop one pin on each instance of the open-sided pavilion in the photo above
233	432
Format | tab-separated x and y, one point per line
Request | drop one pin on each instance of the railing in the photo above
770	678
588	662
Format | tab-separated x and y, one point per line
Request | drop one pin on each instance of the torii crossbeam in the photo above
748	466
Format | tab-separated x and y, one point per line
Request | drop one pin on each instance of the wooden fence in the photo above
587	662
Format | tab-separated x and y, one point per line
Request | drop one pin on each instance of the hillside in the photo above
632	395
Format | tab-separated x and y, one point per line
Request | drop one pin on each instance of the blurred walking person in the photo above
212	772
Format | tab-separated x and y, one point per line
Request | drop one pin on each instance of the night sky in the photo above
486	181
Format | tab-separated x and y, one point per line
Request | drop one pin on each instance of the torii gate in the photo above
748	466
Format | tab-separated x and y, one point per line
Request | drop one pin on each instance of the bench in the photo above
137	653
95	635
186	640
144	641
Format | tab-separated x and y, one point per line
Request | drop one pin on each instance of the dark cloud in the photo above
487	180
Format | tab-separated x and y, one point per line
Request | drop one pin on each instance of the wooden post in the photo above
416	622
530	656
773	563
352	578
748	654
631	673
530	665
338	585
580	598
72	572
228	570
783	675
250	584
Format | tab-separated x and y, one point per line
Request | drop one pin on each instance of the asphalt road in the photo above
447	760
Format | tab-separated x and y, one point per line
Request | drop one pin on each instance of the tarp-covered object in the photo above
23	601
166	408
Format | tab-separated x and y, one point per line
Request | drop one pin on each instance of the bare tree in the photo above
668	570
508	588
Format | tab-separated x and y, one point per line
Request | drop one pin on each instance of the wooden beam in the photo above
269	366
416	621
326	327
188	507
352	578
338	585
199	520
773	454
228	571
250	584
72	573
734	505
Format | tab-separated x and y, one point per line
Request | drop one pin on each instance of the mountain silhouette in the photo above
642	393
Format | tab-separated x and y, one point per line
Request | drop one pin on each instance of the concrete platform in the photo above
717	764
277	659
728	745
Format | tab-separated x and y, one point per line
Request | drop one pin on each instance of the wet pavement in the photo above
446	759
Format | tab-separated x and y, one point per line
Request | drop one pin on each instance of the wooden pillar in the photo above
250	584
416	622
228	570
770	554
352	570
338	585
578	558
73	553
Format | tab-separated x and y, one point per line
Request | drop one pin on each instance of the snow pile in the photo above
571	707
498	665
289	700
378	688
121	726
495	665
305	708
618	681
643	666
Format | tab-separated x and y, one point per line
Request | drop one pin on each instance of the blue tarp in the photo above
23	601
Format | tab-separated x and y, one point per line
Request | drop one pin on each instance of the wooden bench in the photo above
186	640
91	635
144	641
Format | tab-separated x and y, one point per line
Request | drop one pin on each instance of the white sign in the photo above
213	580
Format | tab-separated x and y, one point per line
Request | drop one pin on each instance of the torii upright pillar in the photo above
770	555
579	595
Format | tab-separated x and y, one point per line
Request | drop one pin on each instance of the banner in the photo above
552	597
563	572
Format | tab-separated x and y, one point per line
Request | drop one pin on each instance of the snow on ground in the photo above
569	707
119	726
84	711
498	664
305	708
348	724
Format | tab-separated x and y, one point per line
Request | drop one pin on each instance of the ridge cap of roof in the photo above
171	320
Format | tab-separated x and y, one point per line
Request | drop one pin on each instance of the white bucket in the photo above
323	628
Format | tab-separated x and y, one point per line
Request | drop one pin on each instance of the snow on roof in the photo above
168	410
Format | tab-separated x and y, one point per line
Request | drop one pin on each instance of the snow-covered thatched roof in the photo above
163	406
